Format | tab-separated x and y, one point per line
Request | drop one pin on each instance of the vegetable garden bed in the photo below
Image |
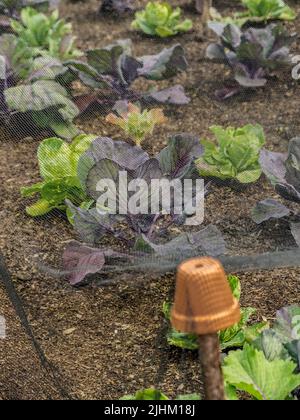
109	341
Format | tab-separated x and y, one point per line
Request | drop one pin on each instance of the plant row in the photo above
40	63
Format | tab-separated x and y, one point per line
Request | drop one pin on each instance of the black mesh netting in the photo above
82	292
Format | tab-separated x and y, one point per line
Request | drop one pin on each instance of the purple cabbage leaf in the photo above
287	329
81	260
269	209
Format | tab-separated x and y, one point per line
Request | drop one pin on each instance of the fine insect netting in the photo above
126	149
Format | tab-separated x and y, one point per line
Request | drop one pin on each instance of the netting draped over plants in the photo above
131	139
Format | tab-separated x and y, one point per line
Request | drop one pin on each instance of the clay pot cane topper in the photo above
204	305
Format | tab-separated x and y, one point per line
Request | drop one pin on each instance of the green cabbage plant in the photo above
234	155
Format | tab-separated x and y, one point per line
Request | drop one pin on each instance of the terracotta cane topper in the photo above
204	305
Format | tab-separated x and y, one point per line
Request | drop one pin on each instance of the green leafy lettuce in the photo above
160	19
44	35
58	162
235	336
235	154
250	371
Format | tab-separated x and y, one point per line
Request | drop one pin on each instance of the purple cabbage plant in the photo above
134	237
111	71
253	54
283	171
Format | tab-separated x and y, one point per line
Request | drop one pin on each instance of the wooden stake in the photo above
203	8
211	367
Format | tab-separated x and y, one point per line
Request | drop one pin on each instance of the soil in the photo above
105	342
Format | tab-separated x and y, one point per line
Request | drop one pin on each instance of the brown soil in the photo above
106	342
